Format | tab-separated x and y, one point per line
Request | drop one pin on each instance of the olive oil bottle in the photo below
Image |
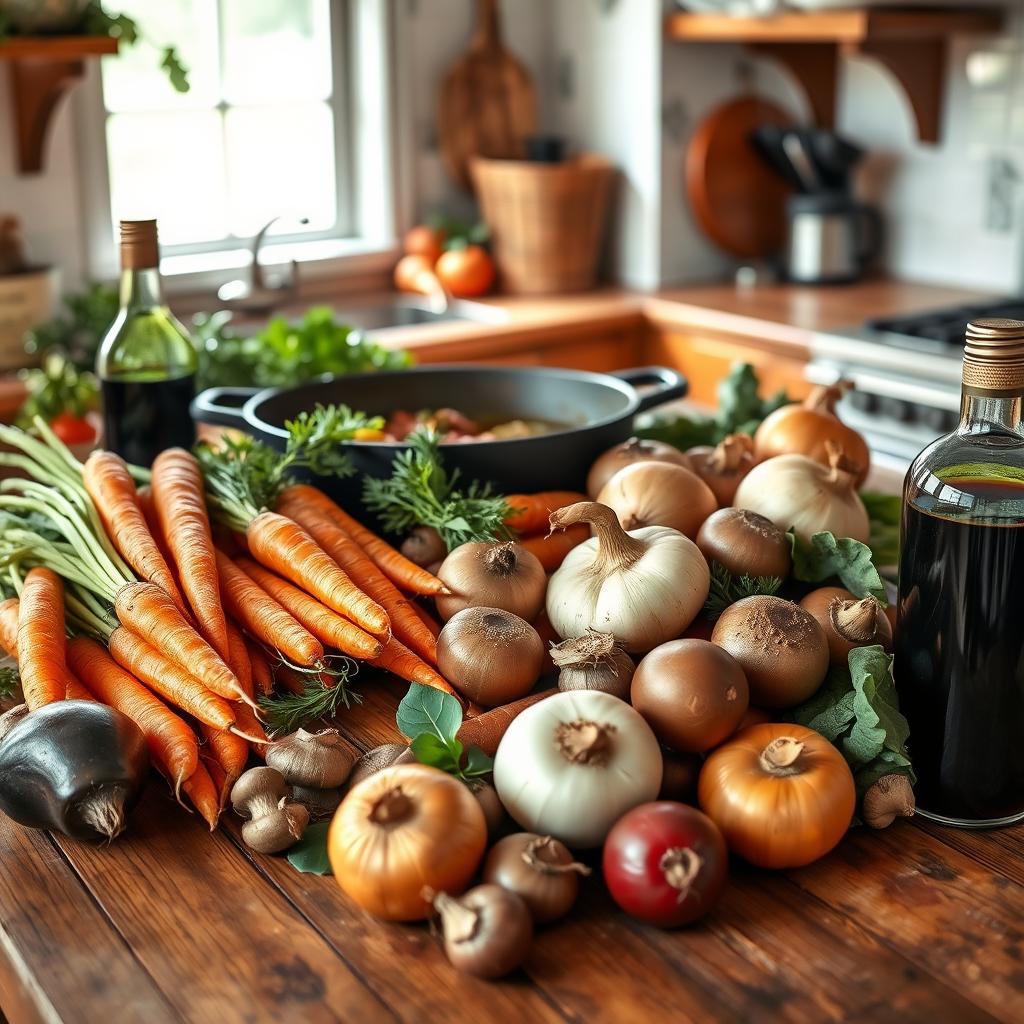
147	363
960	636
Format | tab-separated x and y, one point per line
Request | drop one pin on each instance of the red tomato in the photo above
424	241
72	429
665	863
466	272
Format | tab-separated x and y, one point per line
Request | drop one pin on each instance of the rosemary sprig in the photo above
9	681
420	492
727	589
290	711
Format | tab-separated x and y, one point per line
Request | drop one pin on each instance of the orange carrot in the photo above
238	659
403	573
41	647
426	618
253	728
112	490
263	617
9	626
486	730
283	545
530	512
150	613
407	626
169	680
203	794
551	551
230	754
74	690
398	659
178	495
262	676
172	744
326	625
144	496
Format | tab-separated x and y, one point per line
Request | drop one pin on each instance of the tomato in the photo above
411	274
665	863
782	795
466	272
424	241
73	429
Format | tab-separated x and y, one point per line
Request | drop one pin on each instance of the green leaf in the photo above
9	681
477	764
827	556
831	710
430	749
879	725
425	709
727	589
309	854
884	512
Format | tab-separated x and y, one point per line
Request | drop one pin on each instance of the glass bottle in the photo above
960	636
147	362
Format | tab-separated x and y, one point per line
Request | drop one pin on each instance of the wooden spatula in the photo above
487	104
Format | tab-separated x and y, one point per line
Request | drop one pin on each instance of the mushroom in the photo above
321	803
377	759
274	824
317	760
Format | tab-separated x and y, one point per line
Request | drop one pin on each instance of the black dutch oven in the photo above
598	409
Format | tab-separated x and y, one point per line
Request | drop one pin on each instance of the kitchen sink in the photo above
408	311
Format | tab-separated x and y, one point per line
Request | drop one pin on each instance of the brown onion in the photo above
490	655
503	575
424	546
488	931
847	622
745	543
625	454
593	661
659	494
724	466
780	646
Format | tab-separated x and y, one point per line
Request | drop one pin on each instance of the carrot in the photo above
74	690
406	625
263	617
530	512
238	659
170	681
144	495
150	613
486	730
172	744
326	625
178	495
9	626
262	676
203	794
426	618
398	659
283	545
552	550
229	753
253	728
41	647
112	490
403	573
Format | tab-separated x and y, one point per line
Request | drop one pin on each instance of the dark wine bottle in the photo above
147	363
960	636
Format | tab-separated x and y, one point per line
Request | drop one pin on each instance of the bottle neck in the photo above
140	288
983	414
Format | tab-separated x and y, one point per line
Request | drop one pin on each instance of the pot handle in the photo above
222	407
668	384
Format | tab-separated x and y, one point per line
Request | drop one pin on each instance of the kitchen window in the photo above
266	130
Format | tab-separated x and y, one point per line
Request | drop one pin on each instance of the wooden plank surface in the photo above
914	924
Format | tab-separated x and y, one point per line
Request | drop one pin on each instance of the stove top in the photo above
943	330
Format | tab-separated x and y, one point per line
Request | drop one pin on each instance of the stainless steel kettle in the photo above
832	238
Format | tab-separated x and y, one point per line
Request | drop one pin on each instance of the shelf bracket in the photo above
816	67
37	86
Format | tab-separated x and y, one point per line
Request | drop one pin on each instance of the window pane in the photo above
134	80
280	163
169	166
276	50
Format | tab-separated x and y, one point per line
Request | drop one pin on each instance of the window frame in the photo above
371	135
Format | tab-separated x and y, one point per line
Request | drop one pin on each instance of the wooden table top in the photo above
170	923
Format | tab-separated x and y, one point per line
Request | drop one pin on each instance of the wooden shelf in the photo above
42	69
912	44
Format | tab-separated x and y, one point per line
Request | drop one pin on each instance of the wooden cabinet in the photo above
705	358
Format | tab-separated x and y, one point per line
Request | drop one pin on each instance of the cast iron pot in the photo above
599	406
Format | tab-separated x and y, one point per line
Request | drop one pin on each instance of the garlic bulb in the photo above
797	493
644	587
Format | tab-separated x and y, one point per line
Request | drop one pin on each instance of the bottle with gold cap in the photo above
147	363
959	664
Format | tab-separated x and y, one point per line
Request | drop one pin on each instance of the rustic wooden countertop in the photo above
170	923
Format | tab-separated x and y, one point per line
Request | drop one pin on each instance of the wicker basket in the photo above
547	221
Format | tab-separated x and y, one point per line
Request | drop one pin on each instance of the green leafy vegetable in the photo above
309	854
848	559
421	493
56	387
285	353
9	681
740	411
857	709
77	331
884	511
430	720
726	589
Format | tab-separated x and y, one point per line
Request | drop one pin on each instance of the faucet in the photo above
255	295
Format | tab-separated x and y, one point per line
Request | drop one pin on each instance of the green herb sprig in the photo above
727	589
420	492
290	711
9	681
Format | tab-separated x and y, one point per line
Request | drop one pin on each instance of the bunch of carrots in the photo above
529	519
221	601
